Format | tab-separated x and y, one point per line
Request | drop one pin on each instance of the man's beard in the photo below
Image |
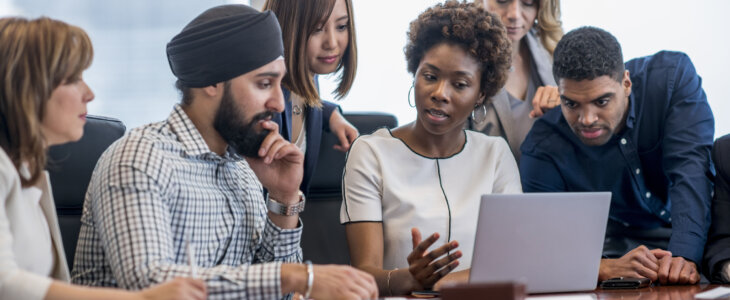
243	137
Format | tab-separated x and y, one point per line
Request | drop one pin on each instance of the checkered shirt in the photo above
160	185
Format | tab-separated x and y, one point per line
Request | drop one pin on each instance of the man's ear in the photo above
213	91
626	83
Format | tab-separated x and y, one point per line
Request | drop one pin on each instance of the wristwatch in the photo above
282	209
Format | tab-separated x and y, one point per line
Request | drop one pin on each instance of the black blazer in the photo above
718	242
317	122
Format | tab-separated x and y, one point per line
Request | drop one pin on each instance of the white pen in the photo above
191	259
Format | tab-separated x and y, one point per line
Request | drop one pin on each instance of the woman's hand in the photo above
427	268
176	289
344	131
546	97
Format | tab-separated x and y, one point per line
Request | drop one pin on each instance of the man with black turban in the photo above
184	197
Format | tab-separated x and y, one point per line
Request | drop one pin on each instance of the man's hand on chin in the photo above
280	165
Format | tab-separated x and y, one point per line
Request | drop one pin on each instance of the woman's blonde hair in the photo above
298	20
37	56
549	25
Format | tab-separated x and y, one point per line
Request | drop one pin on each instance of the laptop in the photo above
552	242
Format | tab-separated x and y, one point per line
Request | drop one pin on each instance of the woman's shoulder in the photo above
380	135
379	141
480	137
480	140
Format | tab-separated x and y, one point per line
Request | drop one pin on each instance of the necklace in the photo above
296	109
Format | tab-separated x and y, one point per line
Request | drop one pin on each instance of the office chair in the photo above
70	167
323	239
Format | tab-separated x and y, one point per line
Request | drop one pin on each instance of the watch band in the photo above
282	209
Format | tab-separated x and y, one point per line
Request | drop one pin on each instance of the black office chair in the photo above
324	240
70	167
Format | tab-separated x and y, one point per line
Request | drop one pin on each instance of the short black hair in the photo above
588	53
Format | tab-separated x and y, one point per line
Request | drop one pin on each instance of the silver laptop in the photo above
550	241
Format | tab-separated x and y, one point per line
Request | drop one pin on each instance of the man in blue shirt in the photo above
643	131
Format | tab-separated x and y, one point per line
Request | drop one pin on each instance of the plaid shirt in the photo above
160	185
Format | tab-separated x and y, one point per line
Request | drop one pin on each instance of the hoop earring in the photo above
409	96
479	115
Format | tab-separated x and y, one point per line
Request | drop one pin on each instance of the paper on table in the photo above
718	292
564	297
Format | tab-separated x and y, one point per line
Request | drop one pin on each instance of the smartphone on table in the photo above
625	283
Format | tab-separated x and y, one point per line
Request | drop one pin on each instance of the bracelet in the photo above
388	281
310	279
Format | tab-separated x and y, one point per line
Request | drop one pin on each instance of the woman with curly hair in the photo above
534	27
429	175
43	101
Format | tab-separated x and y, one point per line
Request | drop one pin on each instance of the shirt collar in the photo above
631	117
189	136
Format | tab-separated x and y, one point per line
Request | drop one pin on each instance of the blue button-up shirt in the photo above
658	167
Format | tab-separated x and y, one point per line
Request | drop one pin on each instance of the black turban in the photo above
222	43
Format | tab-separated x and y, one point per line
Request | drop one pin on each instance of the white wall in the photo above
642	27
130	69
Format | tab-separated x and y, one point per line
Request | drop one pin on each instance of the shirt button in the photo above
638	171
648	194
623	141
663	212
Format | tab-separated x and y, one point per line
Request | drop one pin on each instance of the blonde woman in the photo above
43	103
534	27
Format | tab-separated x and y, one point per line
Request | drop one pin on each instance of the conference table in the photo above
670	292
655	292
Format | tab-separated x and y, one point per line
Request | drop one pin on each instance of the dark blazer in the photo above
317	121
718	243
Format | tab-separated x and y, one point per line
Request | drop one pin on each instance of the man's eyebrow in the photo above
606	95
268	74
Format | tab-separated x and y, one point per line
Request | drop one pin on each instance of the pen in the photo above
191	259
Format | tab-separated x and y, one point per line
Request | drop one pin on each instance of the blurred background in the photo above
132	80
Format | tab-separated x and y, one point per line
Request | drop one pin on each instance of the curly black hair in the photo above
470	26
588	53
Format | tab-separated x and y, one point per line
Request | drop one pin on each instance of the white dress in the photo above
385	181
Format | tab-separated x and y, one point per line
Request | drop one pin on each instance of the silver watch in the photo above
282	209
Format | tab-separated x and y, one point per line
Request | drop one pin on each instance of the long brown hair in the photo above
37	56
298	20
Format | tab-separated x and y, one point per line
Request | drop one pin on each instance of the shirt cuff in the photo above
684	244
282	242
264	280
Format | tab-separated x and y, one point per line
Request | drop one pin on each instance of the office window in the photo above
133	82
